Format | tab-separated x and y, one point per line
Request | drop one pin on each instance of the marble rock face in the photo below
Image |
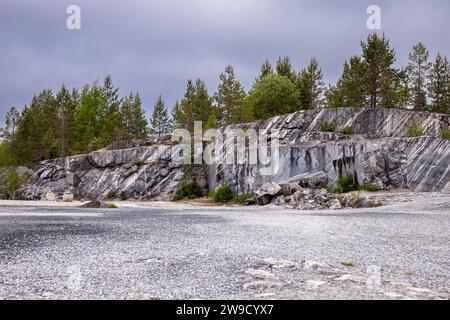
145	171
379	152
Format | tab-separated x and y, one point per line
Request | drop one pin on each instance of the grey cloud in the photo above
154	46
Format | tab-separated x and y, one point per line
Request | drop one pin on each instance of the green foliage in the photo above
230	98
160	122
6	157
417	70
284	68
111	206
196	105
244	197
223	194
189	191
311	86
415	130
271	96
345	184
134	123
374	204
138	162
112	194
439	85
378	60
347	130
445	134
123	196
328	127
12	184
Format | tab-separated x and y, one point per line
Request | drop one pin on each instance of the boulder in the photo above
68	196
314	180
50	196
267	193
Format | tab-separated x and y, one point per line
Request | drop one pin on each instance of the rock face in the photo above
138	172
379	151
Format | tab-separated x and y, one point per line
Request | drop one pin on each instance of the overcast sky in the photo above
155	46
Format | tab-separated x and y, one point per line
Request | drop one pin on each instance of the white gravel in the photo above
166	251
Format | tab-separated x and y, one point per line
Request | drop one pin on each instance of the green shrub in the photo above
189	191
347	130
139	162
12	184
374	204
328	127
111	195
345	184
415	130
369	187
247	196
445	134
123	196
111	206
223	194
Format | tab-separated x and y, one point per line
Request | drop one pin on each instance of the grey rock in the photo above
267	192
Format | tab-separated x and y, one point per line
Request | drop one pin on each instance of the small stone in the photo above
335	204
278	264
68	197
50	196
279	201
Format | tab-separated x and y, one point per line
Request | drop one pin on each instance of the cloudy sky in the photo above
155	46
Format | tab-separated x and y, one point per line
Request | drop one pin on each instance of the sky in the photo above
154	46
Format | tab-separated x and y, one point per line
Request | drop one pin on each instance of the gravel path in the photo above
162	251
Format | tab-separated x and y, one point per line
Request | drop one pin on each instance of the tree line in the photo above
71	121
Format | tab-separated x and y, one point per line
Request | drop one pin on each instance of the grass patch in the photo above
347	130
328	127
223	194
243	198
139	162
189	191
345	184
415	130
374	204
349	264
123	196
445	134
111	206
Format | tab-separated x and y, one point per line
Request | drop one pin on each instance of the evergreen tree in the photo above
417	69
195	106
230	98
266	69
284	68
351	85
160	122
109	113
380	75
89	119
134	123
439	85
67	104
311	86
11	125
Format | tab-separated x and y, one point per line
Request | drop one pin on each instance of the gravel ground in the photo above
167	251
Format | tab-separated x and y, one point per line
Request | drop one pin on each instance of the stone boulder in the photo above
267	193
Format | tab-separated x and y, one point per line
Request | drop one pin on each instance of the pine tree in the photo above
160	122
195	106
109	117
230	98
380	75
89	119
350	90
67	103
135	124
266	69
439	85
284	68
11	125
417	70
311	86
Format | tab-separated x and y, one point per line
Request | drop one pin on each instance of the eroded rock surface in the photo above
379	152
